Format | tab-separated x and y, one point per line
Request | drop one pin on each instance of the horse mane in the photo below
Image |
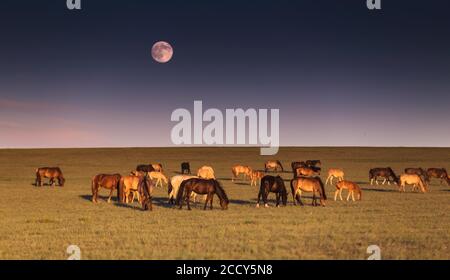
220	191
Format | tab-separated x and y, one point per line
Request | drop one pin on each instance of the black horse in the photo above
384	172
272	184
185	168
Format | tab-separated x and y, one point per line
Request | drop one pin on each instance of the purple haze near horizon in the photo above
340	75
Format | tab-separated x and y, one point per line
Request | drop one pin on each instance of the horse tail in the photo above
293	189
119	189
279	163
180	192
220	191
322	190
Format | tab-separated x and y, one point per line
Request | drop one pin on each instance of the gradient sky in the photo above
340	74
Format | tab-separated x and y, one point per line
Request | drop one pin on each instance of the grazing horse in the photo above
157	167
306	171
174	186
334	173
314	162
206	172
272	184
202	186
145	168
49	172
107	181
130	184
159	176
185	168
273	165
256	176
386	173
418	171
351	187
145	189
307	184
240	169
412	179
438	173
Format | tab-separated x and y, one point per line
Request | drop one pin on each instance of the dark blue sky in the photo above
339	73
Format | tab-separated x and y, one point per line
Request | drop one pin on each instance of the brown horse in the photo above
240	169
145	168
53	173
334	173
438	173
314	162
386	173
307	184
298	164
412	179
275	185
306	171
256	176
351	187
206	172
273	165
202	186
107	181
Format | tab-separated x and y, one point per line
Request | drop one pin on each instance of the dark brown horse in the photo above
185	168
53	173
418	171
107	181
145	168
145	189
207	187
313	162
275	185
384	172
297	164
438	173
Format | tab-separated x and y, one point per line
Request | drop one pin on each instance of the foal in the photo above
351	187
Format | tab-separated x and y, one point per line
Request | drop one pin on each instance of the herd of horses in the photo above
183	188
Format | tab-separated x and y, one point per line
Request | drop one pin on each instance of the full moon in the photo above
162	52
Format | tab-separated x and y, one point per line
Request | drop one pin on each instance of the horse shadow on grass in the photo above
158	201
378	190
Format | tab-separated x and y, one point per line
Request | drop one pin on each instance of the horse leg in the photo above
188	195
340	194
110	194
353	195
349	194
211	202
335	194
384	181
314	199
208	197
265	195
278	199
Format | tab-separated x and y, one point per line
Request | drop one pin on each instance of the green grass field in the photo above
40	222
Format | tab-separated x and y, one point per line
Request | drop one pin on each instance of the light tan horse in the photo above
159	176
306	184
206	172
334	173
351	187
130	184
157	167
273	165
305	171
255	177
240	169
412	179
174	186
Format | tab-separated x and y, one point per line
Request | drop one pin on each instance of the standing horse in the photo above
107	181
256	176
145	188
334	173
418	171
240	169
130	184
412	179
159	176
386	173
206	172
272	184
438	173
351	187
145	168
273	165
174	186
306	171
207	187
306	184
185	168
53	173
